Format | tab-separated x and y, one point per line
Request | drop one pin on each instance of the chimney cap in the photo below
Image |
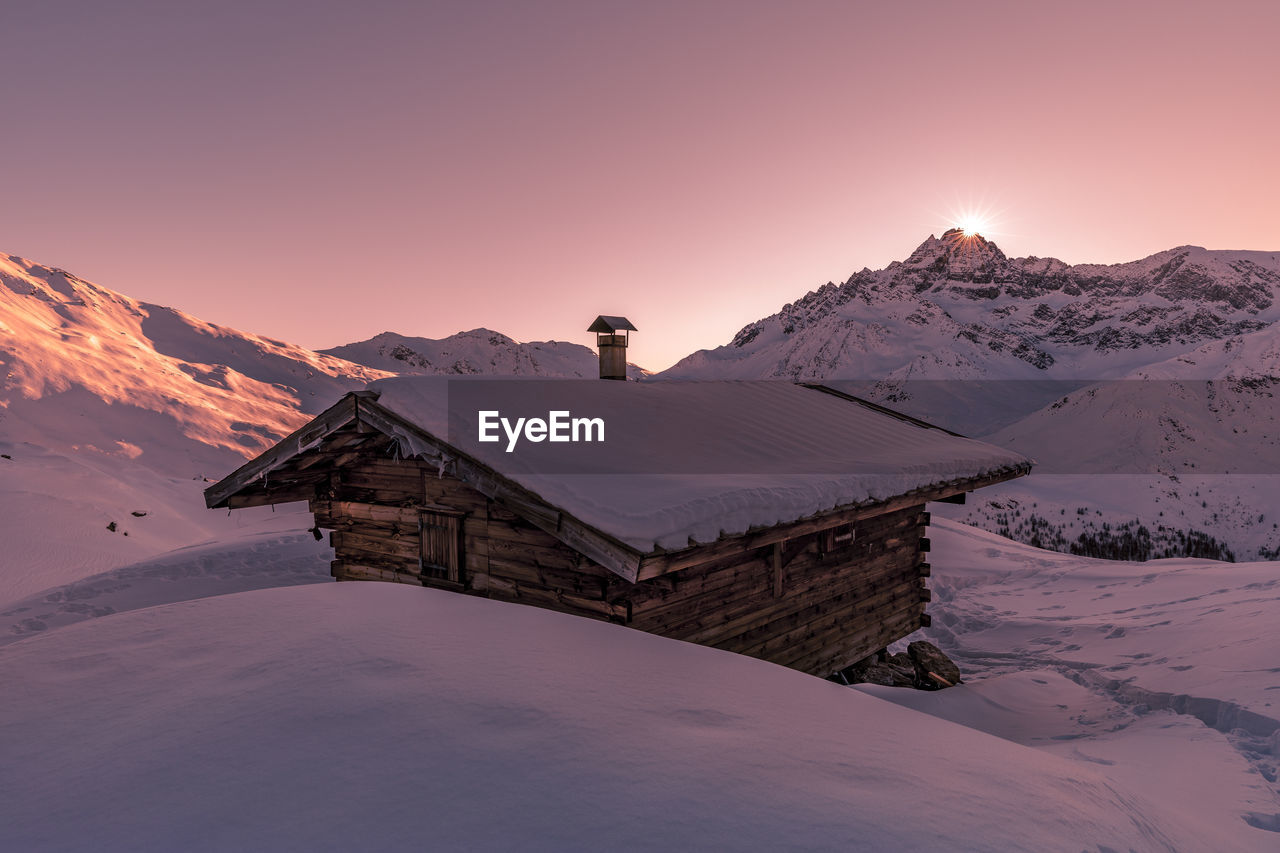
611	325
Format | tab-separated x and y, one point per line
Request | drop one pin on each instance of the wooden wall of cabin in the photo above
807	603
831	608
374	508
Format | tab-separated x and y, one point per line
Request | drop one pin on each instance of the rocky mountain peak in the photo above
955	247
957	257
957	241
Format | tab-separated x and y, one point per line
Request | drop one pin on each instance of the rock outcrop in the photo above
923	666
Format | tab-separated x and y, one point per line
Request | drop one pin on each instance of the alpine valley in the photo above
1031	353
148	636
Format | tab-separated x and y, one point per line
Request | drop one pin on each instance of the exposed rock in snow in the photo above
934	670
885	674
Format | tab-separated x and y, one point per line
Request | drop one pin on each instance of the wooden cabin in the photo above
813	567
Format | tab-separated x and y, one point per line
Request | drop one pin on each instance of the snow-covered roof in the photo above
687	462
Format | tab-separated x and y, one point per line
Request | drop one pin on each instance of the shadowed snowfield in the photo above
227	697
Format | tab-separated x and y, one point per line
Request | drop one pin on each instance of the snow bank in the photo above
1198	628
369	716
249	562
1173	759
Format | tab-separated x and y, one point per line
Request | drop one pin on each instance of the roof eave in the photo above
659	562
334	418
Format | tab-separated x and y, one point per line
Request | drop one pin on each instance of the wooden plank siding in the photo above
801	602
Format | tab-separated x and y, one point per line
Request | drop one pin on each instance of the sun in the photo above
973	224
973	217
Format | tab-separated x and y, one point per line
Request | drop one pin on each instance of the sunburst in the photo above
973	224
975	219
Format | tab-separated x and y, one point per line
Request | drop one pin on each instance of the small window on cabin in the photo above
837	538
441	546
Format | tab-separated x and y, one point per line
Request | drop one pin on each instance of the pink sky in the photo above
320	172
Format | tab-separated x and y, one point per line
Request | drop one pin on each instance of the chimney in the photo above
611	338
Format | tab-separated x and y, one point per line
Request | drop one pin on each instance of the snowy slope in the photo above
1195	420
114	411
1181	626
372	716
1163	672
88	368
240	560
1237	357
1164	426
1224	517
479	351
1212	410
70	516
1190	454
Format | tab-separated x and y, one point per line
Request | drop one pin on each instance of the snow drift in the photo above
367	716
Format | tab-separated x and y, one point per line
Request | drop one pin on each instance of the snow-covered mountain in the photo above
88	369
1019	350
1166	368
114	411
958	308
479	351
106	401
